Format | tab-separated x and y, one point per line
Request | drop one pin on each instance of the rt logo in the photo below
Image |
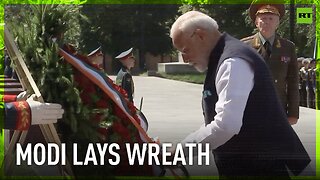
304	15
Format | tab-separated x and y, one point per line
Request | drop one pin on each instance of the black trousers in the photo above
232	167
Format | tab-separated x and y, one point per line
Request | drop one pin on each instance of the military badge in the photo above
285	59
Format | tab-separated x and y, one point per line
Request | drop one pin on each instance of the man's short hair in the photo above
193	20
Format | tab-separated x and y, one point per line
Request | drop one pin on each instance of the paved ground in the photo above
173	110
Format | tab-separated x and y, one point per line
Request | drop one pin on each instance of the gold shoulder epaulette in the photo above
247	38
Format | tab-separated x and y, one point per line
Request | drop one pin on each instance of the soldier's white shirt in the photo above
234	82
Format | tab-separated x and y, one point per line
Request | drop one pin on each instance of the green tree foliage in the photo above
228	16
119	27
305	34
39	31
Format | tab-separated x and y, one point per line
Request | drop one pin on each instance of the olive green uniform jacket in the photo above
284	69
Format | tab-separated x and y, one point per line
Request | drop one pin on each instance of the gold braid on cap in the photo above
268	9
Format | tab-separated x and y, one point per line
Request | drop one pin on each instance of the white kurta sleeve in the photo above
234	82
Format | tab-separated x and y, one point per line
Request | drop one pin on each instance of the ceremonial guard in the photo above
96	58
124	77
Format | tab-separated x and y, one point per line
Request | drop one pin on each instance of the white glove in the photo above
44	113
22	96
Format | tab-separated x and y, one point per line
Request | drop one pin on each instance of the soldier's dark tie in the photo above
267	47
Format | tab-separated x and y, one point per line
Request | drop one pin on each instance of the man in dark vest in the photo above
245	125
279	54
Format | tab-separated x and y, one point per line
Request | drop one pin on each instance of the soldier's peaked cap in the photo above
124	54
98	50
261	7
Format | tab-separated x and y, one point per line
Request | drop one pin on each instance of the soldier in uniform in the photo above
124	77
311	87
96	58
278	53
303	76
